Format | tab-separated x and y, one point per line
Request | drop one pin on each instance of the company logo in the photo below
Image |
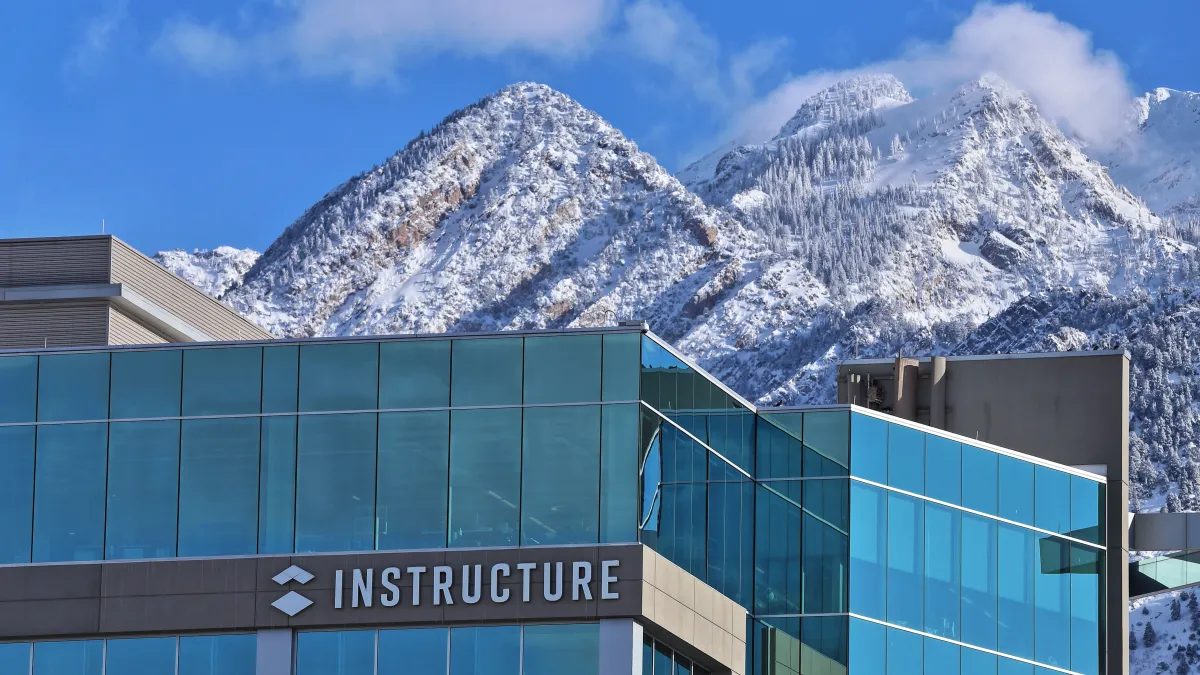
293	603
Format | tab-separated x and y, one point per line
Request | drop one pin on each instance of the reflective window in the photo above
779	454
140	656
1010	667
485	476
826	443
1052	602
1016	489
335	483
16	493
1086	578
943	551
868	447
975	662
979	581
943	469
562	369
143	489
146	384
868	648
218	654
69	490
277	486
280	373
824	645
346	652
77	657
942	658
979	481
485	650
486	372
683	525
18	388
663	661
413	650
868	550
777	548
620	367
1014	586
1052	502
72	387
222	381
414	374
825	546
730	532
15	658
1087	510
903	652
560	494
905	560
618	473
339	377
647	655
414	466
569	648
906	459
218	487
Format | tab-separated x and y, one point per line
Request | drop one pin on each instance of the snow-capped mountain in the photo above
212	271
1160	161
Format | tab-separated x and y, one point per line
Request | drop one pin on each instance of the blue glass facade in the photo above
174	655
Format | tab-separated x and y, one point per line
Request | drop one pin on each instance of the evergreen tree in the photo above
1148	636
1133	643
1176	609
1193	604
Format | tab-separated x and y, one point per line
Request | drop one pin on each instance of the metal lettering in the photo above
606	580
525	568
337	589
364	589
558	574
388	579
416	577
442	578
581	579
467	596
498	597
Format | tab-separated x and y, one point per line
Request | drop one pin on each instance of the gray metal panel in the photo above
125	330
1159	532
65	324
620	647
44	262
275	652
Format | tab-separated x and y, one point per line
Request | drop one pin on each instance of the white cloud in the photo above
97	39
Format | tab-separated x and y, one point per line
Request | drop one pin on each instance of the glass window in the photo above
72	387
414	475
140	656
486	371
222	381
414	374
342	652
560	494
905	561
15	658
621	368
943	551
218	654
906	459
825	640
663	663
779	454
1052	502
1016	489
280	372
979	481
413	650
826	443
485	476
1014	586
335	483
868	447
18	388
868	650
975	662
979	581
730	532
868	550
825	546
1086	578
77	657
618	473
943	469
903	652
16	493
339	377
941	658
146	384
562	369
277	486
569	648
68	505
1052	602
485	650
1087	510
647	655
1011	667
777	557
218	487
143	489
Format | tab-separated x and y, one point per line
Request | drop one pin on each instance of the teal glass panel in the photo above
868	648
222	381
979	479
218	487
647	655
339	377
730	532
942	658
943	469
824	643
975	662
335	483
1052	500
868	551
683	526
1016	489
663	661
485	477
18	389
682	666
1052	602
562	369
777	588
143	490
280	376
218	654
413	650
868	447
779	454
621	368
342	652
827	436
486	371
564	648
904	652
1012	667
485	650
1086	578
905	561
1087	510
943	560
667	382
69	657
277	486
979	595
15	658
73	387
16	493
825	546
560	470
146	384
140	656
69	490
414	476
619	473
414	374
1014	586
906	459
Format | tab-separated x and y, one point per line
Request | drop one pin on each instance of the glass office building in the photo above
855	542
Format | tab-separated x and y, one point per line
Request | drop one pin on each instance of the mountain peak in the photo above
855	96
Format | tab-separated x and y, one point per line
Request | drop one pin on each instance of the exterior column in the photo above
620	647
275	650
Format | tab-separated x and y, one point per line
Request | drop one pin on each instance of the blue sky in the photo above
208	122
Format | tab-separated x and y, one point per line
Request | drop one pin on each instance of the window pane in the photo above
823	648
486	371
868	448
277	486
619	473
1010	667
975	662
16	493
490	650
280	372
868	649
1087	578
621	368
335	483
218	654
15	658
777	548
647	656
827	437
1052	602
68	507
1052	504
943	469
18	388
905	560
414	374
485	476
942	658
560	494
346	652
779	454
979	479
1087	510
73	657
906	459
825	546
146	384
73	387
730	532
662	659
979	581
562	369
222	381
415	650
1016	489
943	549
143	489
903	652
218	487
1014	585
339	377
555	650
414	465
868	550
140	656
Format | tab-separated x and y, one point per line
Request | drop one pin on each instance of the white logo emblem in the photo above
293	603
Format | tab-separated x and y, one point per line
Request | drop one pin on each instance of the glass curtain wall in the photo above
186	655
